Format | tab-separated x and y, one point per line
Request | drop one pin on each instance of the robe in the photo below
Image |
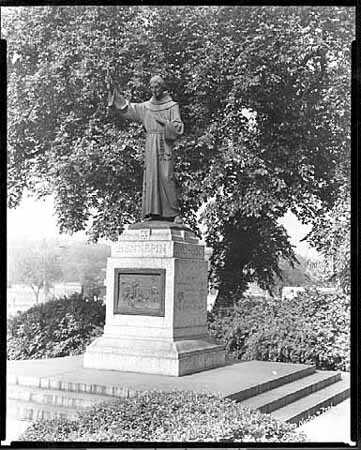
159	189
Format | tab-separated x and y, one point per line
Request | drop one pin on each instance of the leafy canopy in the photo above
264	98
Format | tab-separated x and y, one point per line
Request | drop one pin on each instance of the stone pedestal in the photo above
156	305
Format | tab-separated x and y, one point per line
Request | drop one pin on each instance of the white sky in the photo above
34	219
298	231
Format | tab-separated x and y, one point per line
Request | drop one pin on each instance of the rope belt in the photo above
161	141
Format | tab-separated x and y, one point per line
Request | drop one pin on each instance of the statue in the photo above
161	119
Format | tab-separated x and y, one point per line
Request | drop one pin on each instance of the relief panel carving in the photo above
139	291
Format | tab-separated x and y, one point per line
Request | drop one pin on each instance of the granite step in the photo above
277	381
67	399
238	381
49	389
281	396
311	404
59	385
31	411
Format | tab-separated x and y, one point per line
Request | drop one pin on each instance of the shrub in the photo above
60	327
312	328
175	416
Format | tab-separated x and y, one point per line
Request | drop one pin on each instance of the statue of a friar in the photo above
161	119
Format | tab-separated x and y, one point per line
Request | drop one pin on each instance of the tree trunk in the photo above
224	300
36	293
46	291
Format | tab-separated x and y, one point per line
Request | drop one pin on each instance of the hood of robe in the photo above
165	102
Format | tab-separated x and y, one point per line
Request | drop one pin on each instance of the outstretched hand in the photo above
114	92
121	101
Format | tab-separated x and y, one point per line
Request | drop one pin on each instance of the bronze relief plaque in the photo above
139	291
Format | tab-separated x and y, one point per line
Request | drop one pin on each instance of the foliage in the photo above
264	94
332	237
315	270
175	416
312	328
59	327
36	266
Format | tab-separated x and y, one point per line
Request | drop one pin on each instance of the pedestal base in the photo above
156	311
174	358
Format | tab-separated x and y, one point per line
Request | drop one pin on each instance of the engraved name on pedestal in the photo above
139	291
188	251
146	248
140	249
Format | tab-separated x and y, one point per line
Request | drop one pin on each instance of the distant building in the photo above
328	290
254	290
65	289
290	292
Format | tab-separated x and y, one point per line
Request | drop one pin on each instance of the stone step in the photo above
34	397
67	399
281	396
31	411
278	379
53	384
15	428
237	381
311	404
290	392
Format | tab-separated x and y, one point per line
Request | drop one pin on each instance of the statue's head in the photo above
157	87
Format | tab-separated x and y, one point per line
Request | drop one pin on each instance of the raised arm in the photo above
133	111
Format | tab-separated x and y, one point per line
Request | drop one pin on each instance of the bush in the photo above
60	327
312	328
175	416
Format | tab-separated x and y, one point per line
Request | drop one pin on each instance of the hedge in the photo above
59	327
157	416
312	328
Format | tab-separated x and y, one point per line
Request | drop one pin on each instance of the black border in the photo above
141	271
355	232
355	268
3	195
343	3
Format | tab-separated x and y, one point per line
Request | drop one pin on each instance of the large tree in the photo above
263	94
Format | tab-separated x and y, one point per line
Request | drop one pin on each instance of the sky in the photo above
35	219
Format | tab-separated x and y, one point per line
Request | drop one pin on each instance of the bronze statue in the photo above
161	119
